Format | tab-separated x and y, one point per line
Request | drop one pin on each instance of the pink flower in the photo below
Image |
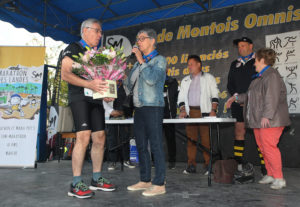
113	61
112	65
76	65
86	57
112	54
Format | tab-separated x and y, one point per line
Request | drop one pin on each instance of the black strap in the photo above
131	90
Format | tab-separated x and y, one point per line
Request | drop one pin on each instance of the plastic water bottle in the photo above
133	151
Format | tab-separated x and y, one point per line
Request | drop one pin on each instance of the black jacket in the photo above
171	94
118	103
240	76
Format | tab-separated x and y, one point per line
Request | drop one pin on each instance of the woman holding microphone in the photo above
147	79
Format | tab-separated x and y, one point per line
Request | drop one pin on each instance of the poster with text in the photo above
287	47
21	79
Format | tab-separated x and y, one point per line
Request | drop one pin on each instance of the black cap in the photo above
243	39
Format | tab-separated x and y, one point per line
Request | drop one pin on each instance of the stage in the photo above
47	185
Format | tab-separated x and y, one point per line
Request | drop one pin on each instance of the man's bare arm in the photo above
68	76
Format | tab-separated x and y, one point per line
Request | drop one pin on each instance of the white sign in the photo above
20	97
287	47
118	41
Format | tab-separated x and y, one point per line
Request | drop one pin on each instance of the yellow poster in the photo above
21	79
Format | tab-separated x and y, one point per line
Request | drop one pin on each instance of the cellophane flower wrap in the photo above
104	63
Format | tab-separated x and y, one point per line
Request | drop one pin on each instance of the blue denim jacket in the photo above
152	77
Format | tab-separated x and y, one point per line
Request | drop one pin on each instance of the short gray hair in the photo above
150	32
88	23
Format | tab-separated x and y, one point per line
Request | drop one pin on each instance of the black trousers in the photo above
112	141
169	130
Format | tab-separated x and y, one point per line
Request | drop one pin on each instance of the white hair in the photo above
88	23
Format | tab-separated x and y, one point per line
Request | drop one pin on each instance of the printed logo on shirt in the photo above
66	52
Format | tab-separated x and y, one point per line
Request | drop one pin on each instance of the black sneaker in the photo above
244	174
128	164
172	165
245	170
112	166
244	180
102	184
190	169
80	190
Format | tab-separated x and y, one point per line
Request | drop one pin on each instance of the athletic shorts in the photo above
88	116
237	112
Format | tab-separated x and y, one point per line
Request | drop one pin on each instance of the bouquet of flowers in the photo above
105	63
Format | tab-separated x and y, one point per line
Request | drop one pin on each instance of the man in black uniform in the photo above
239	78
88	114
117	134
170	111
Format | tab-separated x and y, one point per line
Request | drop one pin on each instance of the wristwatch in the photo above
215	110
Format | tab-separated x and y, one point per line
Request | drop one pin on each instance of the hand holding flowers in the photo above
98	65
108	64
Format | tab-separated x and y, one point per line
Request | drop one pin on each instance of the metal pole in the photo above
45	18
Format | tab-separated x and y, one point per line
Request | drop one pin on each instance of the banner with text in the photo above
21	79
210	35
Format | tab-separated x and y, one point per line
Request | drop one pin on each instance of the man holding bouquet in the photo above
88	113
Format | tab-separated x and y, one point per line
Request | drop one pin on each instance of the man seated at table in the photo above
198	97
117	134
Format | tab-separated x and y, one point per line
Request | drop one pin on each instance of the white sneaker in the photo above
278	184
266	180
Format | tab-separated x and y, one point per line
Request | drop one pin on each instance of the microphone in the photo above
133	54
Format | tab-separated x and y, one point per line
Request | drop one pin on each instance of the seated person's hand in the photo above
212	113
108	99
116	113
182	113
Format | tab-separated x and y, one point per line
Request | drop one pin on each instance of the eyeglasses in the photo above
142	39
96	30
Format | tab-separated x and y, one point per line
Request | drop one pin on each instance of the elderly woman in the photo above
266	111
147	79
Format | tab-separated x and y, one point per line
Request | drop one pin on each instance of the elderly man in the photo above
240	76
88	114
198	97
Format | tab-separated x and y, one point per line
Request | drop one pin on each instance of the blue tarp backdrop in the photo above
61	19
